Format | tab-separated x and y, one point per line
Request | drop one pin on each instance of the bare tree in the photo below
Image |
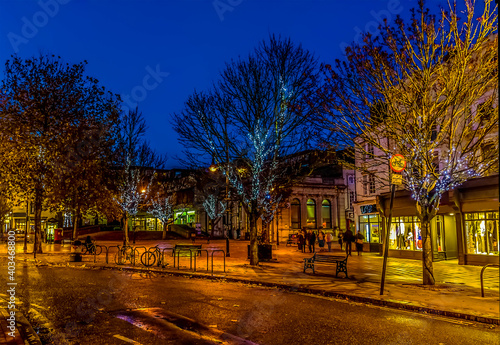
425	90
255	114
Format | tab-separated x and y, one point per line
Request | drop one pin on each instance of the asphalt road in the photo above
94	306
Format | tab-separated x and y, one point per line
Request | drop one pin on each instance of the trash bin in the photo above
265	252
75	257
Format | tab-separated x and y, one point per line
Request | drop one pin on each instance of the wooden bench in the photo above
339	261
187	247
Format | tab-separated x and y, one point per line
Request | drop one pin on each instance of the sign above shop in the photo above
397	163
368	209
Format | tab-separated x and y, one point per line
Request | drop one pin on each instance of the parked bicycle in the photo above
152	256
124	254
92	248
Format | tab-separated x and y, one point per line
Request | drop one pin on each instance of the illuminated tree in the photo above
425	90
254	115
162	208
136	163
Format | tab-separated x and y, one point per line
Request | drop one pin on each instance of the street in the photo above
104	306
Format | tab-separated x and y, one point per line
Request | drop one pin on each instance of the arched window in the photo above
311	214
295	210
326	214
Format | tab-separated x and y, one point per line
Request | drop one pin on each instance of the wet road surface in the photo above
94	306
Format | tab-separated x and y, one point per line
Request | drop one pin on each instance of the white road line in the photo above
126	339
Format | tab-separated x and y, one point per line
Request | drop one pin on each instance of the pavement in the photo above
456	294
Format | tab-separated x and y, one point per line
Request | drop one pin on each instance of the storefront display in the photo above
405	234
370	226
481	231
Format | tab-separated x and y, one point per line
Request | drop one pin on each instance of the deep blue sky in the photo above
123	41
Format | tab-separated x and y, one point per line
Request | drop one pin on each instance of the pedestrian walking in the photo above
341	236
321	240
304	240
300	240
329	239
359	242
348	238
312	241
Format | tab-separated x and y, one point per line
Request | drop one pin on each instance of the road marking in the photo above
126	339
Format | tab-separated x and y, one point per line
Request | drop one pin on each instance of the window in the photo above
484	112
435	162
295	211
481	231
434	133
489	152
405	234
311	213
326	214
369	226
350	179
352	198
369	151
368	184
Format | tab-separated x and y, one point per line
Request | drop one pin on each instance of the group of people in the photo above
307	239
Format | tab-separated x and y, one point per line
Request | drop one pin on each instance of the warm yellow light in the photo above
213	168
143	191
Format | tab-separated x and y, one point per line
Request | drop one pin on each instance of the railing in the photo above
482	271
224	256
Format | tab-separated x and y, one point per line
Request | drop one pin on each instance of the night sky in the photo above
155	53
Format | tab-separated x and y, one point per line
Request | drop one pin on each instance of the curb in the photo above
339	295
27	334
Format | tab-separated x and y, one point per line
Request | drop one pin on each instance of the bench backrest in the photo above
329	258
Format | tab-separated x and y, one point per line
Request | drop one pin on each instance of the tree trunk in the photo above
427	267
38	223
125	231
76	217
164	234
254	249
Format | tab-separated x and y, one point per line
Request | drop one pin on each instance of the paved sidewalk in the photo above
457	292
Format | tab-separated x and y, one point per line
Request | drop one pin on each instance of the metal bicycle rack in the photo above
163	255
199	251
134	250
224	256
95	251
482	271
190	258
107	252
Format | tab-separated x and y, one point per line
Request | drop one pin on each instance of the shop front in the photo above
477	205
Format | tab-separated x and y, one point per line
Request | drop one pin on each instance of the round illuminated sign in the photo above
398	163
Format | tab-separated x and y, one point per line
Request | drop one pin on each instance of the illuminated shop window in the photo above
295	210
326	214
311	213
405	234
370	226
481	231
